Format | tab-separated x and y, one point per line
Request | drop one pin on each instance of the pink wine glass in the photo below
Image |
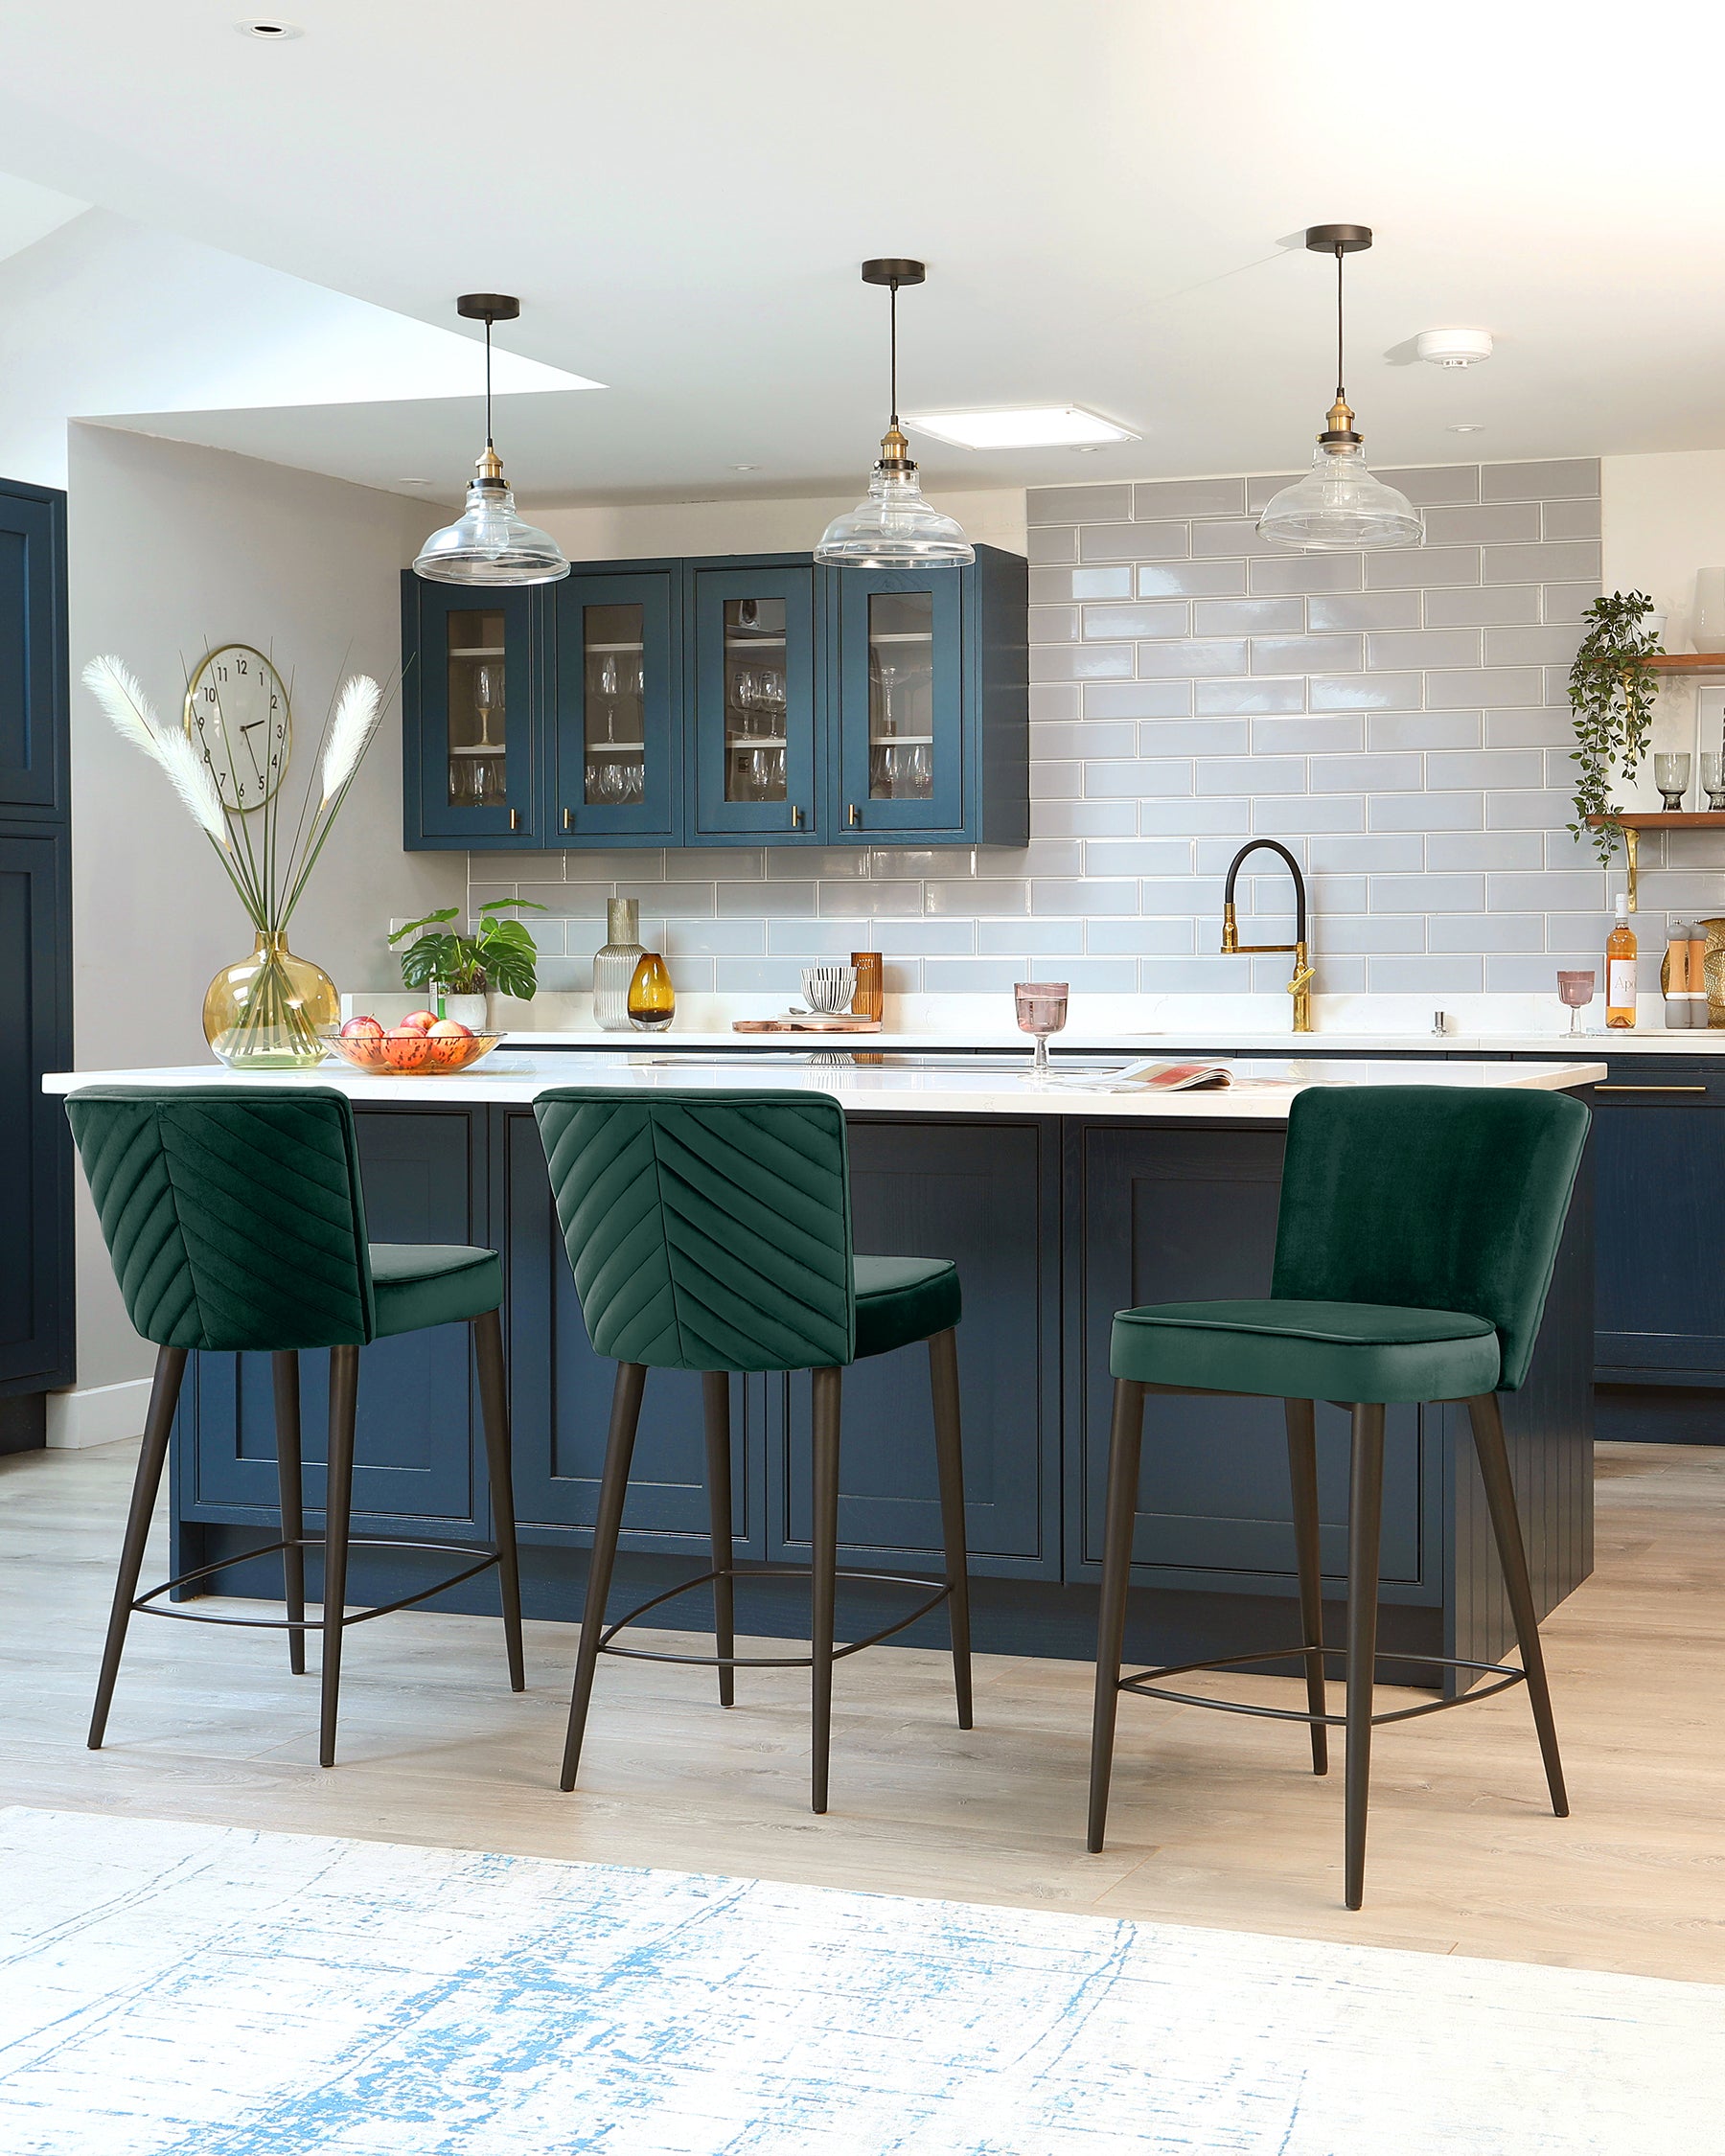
1576	991
1041	1007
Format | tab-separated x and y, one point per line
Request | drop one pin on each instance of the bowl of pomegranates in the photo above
420	1045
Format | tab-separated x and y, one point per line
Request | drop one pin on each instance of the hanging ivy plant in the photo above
1612	691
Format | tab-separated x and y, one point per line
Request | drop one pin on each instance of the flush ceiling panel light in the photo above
894	528
1453	348
1339	506
272	32
488	543
1033	427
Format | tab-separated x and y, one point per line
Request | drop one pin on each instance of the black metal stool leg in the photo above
827	1388
285	1369
715	1405
613	1488
1302	1476
1487	1422
338	1506
949	1458
1125	1445
164	1397
1364	1517
493	1411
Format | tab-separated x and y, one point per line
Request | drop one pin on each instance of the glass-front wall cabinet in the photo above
754	699
616	699
467	688
477	676
900	700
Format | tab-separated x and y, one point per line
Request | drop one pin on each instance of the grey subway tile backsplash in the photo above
1399	719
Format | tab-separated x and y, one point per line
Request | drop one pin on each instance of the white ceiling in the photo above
1108	194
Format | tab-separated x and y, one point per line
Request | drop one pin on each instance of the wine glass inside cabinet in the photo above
476	663
618	729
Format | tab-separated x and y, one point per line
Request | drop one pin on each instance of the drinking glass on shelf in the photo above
1576	992
1041	1009
1712	779
488	686
1671	776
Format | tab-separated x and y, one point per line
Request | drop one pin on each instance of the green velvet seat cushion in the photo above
1308	1350
901	1299
419	1284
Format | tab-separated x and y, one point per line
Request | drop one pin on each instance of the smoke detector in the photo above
1453	348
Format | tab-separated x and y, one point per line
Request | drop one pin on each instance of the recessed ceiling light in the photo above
1465	426
272	32
746	468
1037	427
413	482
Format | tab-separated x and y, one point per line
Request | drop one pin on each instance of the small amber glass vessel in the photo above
869	1001
271	1010
651	1004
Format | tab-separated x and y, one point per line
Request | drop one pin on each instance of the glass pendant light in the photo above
894	528
488	543
1339	505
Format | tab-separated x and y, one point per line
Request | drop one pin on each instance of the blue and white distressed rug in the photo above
183	1990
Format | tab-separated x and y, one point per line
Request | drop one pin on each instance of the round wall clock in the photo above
237	715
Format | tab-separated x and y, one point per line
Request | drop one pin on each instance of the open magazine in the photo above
1152	1075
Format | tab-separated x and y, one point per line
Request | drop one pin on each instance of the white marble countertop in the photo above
1187	1039
1264	1090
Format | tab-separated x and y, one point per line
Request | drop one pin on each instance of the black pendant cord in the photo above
892	347
1341	393
488	380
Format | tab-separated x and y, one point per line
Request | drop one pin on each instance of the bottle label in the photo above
1620	983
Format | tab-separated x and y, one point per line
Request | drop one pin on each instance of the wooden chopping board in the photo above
815	1022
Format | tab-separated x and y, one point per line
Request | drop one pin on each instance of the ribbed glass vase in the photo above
270	1011
614	965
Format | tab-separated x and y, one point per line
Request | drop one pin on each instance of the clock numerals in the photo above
238	713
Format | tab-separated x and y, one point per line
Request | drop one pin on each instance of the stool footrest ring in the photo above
942	1589
147	1605
1506	1673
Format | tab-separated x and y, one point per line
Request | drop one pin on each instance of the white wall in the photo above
174	549
644	529
1662	518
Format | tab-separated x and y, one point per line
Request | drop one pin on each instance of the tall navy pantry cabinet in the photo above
729	701
36	953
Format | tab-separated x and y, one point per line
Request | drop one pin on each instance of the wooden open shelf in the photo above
1688	662
1665	819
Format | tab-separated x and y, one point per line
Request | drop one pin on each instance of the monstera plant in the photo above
499	955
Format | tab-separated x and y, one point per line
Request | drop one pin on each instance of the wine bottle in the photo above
1619	969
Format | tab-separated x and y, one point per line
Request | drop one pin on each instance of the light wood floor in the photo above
1214	1821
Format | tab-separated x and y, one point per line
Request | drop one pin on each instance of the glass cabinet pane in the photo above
614	662
901	696
478	718
754	699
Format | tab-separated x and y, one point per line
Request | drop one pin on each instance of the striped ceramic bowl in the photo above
829	989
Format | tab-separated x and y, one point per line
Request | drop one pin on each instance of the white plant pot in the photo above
470	1011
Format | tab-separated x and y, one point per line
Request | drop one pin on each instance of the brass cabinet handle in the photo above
1600	1087
796	820
854	815
568	819
515	820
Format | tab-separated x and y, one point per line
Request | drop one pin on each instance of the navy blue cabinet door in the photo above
898	714
758	756
1213	1504
418	1423
561	1395
991	1200
1659	1164
35	1159
473	739
618	710
33	648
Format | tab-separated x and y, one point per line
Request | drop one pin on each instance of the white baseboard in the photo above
101	1415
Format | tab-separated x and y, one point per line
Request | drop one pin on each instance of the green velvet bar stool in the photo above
1418	1230
235	1220
711	1231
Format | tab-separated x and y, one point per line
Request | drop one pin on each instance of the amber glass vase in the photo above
652	1005
270	1011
